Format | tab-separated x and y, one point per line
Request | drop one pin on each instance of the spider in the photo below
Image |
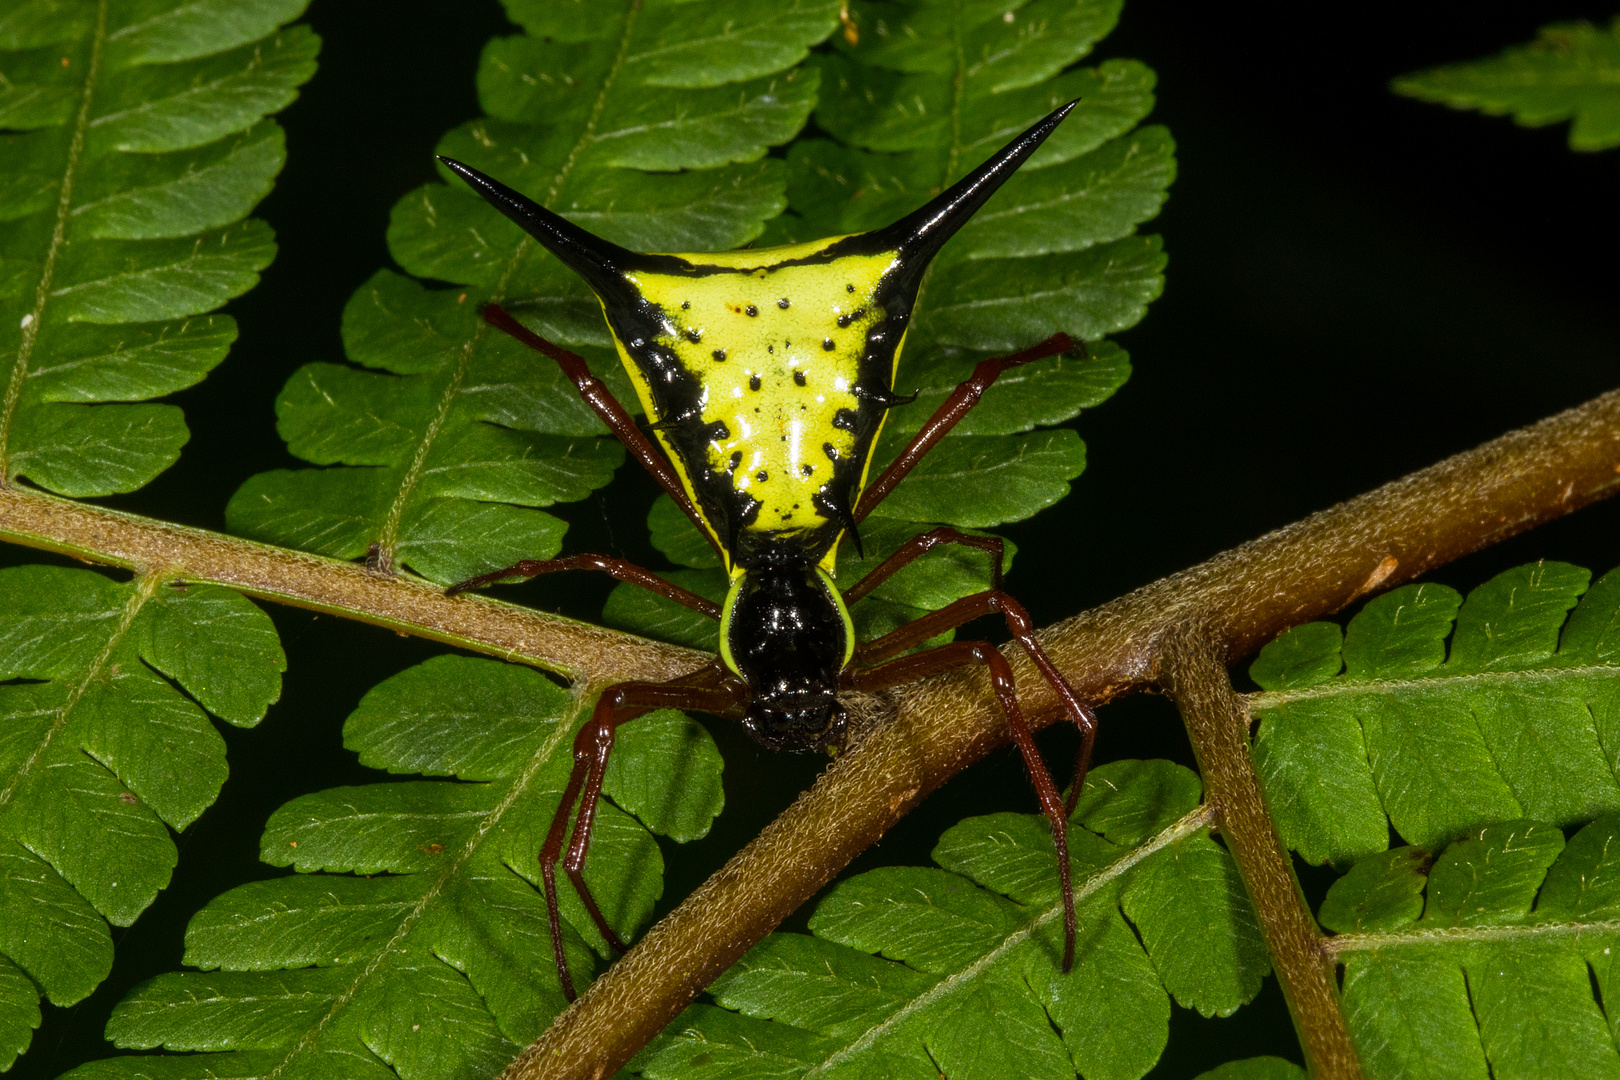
766	375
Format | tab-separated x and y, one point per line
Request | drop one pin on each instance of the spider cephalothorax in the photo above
765	376
787	634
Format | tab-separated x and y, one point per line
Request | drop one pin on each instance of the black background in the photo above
1359	285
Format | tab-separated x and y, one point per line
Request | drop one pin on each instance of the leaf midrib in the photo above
1467	935
145	585
42	291
520	787
1180	830
388	537
1343	686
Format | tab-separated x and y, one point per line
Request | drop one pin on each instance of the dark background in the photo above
1359	285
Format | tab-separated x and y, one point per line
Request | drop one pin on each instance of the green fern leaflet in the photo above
1570	72
136	141
106	749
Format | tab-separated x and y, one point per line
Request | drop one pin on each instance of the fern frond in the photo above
104	750
137	143
1517	721
1495	957
913	972
1570	72
446	448
437	962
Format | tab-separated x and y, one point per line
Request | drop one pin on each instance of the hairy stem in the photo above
1244	597
1193	673
409	605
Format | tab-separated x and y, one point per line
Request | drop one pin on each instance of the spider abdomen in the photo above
763	417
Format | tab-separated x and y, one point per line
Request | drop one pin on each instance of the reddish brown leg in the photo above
618	568
606	406
592	748
966	610
958	654
914	548
919	546
964	397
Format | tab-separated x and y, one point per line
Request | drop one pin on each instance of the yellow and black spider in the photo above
765	375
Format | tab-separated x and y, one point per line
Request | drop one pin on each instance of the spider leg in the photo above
964	397
919	546
617	568
958	654
703	691
965	610
601	400
971	608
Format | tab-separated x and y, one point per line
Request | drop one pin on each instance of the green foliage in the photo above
439	965
133	145
912	972
1496	960
1570	72
1521	718
104	749
444	447
1054	250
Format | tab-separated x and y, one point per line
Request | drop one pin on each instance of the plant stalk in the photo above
1193	673
408	605
1244	597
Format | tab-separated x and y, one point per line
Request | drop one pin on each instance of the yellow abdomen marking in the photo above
777	350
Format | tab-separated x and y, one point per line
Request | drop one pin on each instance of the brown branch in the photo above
1245	597
409	605
1194	674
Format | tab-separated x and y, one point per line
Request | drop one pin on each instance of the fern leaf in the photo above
445	450
913	972
138	144
440	966
1053	250
1516	722
1568	73
1487	959
105	749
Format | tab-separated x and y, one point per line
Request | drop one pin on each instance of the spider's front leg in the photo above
618	569
875	669
710	690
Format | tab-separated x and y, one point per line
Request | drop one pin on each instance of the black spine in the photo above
920	234
601	263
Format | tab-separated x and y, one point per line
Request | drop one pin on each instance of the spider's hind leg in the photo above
706	690
876	670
